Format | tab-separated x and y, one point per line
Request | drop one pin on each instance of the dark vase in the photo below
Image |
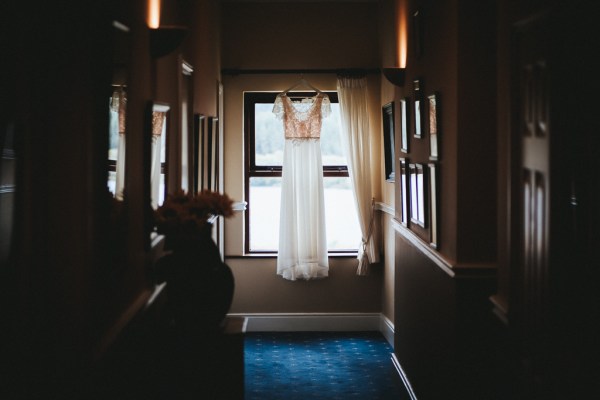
200	285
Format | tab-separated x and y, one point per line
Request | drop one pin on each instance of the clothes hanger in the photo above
304	82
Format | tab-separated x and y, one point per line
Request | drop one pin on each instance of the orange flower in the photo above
188	213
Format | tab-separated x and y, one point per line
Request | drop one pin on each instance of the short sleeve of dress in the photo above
326	107
278	107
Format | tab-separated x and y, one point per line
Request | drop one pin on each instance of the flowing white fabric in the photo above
120	168
118	108
158	129
354	113
302	236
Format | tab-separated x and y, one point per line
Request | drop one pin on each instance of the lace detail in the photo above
302	119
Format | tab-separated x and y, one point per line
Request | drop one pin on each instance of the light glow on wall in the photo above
153	14
402	32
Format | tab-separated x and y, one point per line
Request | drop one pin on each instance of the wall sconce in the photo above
395	75
165	39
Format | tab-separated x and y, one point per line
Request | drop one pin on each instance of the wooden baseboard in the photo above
311	322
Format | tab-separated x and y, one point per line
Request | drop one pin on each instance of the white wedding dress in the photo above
302	237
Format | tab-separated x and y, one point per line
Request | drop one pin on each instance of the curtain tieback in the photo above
363	262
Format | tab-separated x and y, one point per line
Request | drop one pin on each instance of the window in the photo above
264	160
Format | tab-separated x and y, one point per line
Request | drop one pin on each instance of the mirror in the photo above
117	106
114	222
158	152
156	122
187	124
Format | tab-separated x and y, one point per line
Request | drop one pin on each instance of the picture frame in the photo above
433	205
417	108
206	153
198	159
433	113
213	152
404	124
418	203
387	113
403	192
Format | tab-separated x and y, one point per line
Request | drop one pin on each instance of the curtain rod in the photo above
338	71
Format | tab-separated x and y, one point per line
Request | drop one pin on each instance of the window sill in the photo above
348	254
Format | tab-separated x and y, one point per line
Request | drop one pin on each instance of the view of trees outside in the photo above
343	232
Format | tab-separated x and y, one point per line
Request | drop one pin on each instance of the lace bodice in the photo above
302	119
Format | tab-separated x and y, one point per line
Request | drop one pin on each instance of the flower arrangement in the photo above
190	214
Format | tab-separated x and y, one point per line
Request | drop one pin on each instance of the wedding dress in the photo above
302	237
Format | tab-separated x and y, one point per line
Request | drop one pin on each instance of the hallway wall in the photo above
442	312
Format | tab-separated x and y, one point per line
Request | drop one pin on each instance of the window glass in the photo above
343	231
332	152
265	196
269	138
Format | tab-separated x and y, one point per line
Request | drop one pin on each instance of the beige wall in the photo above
258	289
299	35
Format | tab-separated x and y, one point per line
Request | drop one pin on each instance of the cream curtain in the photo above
354	113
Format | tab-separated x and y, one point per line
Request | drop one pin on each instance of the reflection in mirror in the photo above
158	154
116	143
185	99
197	151
117	111
403	192
417	194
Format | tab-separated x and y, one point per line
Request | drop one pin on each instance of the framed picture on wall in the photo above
417	194
213	153
433	108
404	119
417	102
210	153
433	205
403	192
387	113
198	159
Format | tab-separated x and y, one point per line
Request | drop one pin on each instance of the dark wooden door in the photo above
534	133
555	281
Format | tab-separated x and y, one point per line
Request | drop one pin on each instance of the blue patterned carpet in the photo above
320	365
